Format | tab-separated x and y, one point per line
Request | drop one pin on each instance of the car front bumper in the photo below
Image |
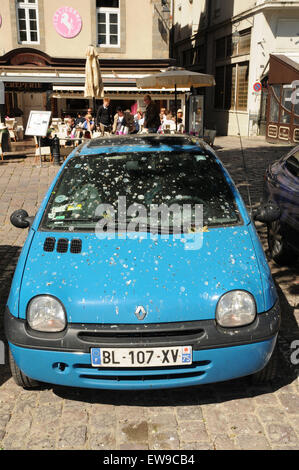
218	354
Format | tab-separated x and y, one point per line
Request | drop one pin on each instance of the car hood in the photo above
109	279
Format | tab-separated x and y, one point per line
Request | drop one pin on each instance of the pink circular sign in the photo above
67	22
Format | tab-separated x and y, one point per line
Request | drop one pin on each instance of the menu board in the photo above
38	123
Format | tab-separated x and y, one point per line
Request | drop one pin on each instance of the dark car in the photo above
282	188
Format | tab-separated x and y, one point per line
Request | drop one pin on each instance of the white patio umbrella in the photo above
174	77
94	87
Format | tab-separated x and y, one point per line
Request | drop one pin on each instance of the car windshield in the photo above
91	187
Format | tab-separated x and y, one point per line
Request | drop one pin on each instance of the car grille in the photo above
88	372
144	335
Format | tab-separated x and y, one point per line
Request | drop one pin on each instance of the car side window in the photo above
292	164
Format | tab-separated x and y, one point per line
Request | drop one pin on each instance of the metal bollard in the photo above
56	150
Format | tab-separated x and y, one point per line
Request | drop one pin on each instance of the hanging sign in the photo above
67	22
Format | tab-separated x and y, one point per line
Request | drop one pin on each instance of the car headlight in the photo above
236	308
45	313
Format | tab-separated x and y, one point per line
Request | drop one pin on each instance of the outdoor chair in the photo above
20	133
12	128
181	128
1	150
169	128
209	136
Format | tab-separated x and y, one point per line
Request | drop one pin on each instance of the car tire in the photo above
19	377
280	251
269	372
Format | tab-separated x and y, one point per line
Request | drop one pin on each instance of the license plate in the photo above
141	357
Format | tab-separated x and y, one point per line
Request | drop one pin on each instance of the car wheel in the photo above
269	372
280	252
19	377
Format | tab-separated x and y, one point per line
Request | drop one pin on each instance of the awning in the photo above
77	92
284	68
120	89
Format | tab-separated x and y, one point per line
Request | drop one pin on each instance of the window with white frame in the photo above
108	23
27	21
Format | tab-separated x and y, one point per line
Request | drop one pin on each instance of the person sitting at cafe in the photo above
139	120
88	125
71	127
89	111
163	114
123	122
168	123
130	121
79	120
180	116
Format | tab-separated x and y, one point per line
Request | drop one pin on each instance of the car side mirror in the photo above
21	219
267	213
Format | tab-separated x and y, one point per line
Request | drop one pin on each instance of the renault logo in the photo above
140	312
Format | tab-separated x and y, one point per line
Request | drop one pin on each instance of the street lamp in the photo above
236	38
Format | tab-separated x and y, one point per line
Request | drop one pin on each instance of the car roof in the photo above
149	141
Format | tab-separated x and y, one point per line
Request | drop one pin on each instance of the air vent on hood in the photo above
62	245
76	245
49	244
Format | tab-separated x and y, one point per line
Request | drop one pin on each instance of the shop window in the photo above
243	46
171	106
242	86
296	112
219	88
287	104
230	87
217	8
200	55
226	47
27	21
220	48
231	91
274	109
277	91
108	23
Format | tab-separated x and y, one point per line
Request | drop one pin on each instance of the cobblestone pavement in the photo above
231	415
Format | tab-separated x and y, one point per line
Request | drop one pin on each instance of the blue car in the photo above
142	270
282	188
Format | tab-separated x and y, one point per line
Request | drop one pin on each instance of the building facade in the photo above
43	45
237	41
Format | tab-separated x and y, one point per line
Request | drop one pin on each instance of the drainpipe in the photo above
206	42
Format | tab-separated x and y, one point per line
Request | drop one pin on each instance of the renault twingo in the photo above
104	298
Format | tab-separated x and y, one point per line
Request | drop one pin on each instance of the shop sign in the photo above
67	22
38	123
